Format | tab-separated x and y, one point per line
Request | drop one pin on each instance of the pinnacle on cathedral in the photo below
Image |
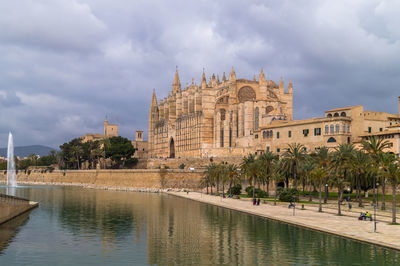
232	75
203	81
176	85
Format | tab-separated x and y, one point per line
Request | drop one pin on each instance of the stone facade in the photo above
338	126
140	146
110	130
217	118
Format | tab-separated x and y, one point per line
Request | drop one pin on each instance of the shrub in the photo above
288	194
258	193
236	189
182	166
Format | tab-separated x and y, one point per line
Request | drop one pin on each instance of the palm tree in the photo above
104	144
77	152
232	175
375	146
393	175
360	166
250	170
278	176
209	176
266	161
295	155
387	160
307	167
319	176
340	165
323	158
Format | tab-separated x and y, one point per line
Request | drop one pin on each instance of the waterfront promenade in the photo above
346	225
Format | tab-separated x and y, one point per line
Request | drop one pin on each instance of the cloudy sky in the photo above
66	64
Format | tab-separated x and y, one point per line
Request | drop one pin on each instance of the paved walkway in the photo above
347	226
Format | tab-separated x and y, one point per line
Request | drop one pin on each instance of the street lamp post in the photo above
377	194
294	205
374	217
326	194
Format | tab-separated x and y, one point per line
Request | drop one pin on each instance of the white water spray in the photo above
11	178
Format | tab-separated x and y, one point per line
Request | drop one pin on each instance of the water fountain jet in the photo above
11	177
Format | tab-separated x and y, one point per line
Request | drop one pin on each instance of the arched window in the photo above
271	133
344	128
332	129
337	128
348	128
326	129
264	134
343	114
256	114
267	133
331	139
329	115
336	115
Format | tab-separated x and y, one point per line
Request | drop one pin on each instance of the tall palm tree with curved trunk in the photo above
323	157
250	170
233	176
319	176
266	161
375	146
295	155
277	175
340	166
307	168
393	175
209	176
386	162
360	167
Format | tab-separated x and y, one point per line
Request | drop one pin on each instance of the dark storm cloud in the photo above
66	64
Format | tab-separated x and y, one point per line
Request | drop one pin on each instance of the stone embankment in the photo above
387	235
11	207
132	179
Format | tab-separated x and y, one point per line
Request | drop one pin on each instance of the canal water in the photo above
77	226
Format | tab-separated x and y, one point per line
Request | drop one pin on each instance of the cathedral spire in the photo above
203	80
232	75
261	77
290	87
281	87
223	77
218	79
153	100
213	80
176	85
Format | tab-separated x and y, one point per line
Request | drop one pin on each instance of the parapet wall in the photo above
132	178
11	207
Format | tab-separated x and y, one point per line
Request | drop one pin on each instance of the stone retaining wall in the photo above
11	207
132	178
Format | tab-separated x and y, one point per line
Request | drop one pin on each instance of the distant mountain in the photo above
25	151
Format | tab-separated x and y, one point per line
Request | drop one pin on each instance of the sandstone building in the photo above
110	130
217	118
234	117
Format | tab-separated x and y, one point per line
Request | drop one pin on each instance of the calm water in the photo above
76	226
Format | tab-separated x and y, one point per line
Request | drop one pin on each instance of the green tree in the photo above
233	176
340	165
267	160
319	175
250	170
323	158
120	151
295	155
375	147
393	175
360	167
